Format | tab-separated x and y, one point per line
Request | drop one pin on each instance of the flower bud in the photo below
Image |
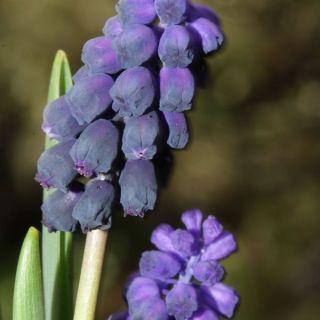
99	55
55	166
58	122
135	46
178	129
139	137
96	148
90	97
113	27
82	73
138	187
177	87
57	211
133	92
136	11
176	48
171	11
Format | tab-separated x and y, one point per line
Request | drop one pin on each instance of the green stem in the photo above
90	277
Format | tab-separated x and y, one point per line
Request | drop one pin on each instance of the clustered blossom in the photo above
124	112
182	279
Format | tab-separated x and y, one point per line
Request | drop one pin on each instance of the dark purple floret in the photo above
57	211
139	137
113	27
178	129
176	48
133	92
94	208
210	34
136	11
138	187
171	11
58	122
90	97
177	87
55	166
135	46
100	56
96	148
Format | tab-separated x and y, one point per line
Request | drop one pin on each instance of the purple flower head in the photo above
58	122
177	89
139	137
186	270
171	11
96	148
176	48
135	46
99	55
136	11
133	92
210	34
55	166
113	27
138	187
178	129
90	97
93	209
57	211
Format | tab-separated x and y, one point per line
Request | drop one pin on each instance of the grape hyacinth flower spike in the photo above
182	279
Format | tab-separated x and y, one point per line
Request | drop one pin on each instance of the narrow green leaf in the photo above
28	291
57	247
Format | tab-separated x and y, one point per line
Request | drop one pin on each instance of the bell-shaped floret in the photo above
176	48
139	137
184	243
133	92
113	27
135	46
82	73
58	123
196	11
138	187
136	11
94	208
57	211
177	87
90	97
178	129
99	55
55	166
208	272
171	11
96	148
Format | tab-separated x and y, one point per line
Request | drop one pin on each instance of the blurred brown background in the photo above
253	160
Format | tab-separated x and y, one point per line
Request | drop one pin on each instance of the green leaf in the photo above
57	247
28	291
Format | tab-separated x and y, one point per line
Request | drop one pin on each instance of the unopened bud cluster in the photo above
126	108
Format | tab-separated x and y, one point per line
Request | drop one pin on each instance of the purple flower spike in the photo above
182	301
138	187
159	265
135	46
210	34
113	27
177	89
55	167
94	208
83	72
90	97
208	272
176	49
58	122
57	211
99	55
136	11
171	11
133	92
96	148
139	137
178	129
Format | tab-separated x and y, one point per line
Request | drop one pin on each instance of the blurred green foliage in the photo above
253	160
